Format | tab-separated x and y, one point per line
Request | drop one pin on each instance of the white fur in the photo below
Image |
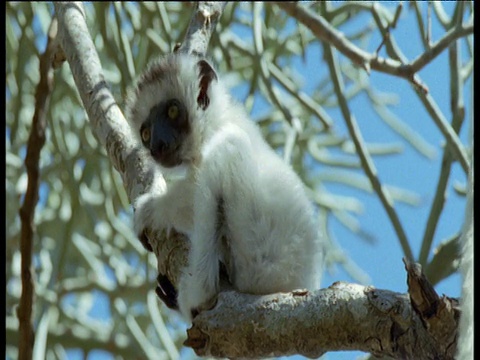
274	243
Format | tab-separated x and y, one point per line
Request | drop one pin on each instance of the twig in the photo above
142	341
466	327
429	24
424	36
445	260
442	16
390	26
304	99
455	145
160	327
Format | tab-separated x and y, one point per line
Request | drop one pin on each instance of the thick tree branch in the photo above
341	317
106	119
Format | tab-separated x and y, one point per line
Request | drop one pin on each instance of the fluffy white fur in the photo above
273	240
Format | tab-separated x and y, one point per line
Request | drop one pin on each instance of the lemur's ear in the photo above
206	76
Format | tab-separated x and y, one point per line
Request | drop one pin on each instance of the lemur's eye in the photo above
145	133
173	112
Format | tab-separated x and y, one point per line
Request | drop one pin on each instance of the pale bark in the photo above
341	317
109	124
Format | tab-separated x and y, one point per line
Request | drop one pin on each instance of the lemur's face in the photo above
168	97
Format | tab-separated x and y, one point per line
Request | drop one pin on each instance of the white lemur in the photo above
234	187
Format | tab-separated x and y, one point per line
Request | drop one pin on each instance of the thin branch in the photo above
36	141
390	26
458	115
447	39
366	161
143	343
429	24
304	99
325	32
260	59
455	145
423	30
442	16
160	327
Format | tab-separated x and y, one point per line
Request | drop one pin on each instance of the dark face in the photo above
167	126
164	132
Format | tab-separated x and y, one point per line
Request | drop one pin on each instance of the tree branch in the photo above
365	159
201	26
458	115
106	119
109	124
341	317
36	141
325	32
